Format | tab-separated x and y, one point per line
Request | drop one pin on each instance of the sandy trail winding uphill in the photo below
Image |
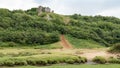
88	53
65	44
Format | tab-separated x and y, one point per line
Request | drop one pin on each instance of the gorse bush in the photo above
83	59
12	44
99	59
20	62
29	38
102	60
41	60
115	48
9	63
114	60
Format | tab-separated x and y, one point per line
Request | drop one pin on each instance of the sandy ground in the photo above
65	44
88	53
91	53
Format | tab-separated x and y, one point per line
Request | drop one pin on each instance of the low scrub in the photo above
102	60
115	48
17	54
41	60
114	60
99	59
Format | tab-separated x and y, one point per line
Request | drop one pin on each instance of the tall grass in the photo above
82	43
35	46
41	60
115	48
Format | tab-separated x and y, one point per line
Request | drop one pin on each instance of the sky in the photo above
67	7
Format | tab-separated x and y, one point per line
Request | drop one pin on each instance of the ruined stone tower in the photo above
47	9
39	10
43	9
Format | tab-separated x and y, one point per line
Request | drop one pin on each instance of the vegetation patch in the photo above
81	43
41	60
115	48
99	59
56	45
114	60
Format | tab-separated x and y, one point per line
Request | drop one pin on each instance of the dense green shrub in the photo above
99	59
20	62
2	63
4	12
114	60
31	61
54	61
41	60
70	61
83	59
12	44
115	48
28	37
9	63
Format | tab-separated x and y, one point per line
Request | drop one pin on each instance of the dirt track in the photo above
88	53
65	44
91	53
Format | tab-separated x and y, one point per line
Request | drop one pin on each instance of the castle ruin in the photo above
43	9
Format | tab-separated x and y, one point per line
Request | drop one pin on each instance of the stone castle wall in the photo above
43	9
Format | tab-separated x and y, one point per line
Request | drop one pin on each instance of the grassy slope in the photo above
81	43
73	66
47	46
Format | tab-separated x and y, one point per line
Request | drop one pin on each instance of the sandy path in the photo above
90	54
65	44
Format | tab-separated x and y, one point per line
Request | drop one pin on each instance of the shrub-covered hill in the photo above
26	27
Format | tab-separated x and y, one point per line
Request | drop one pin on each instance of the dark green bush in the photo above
53	61
114	60
70	61
9	63
83	59
2	63
115	48
41	60
118	56
31	61
12	44
20	62
99	59
20	37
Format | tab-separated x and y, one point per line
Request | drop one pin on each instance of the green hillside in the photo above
83	43
20	27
